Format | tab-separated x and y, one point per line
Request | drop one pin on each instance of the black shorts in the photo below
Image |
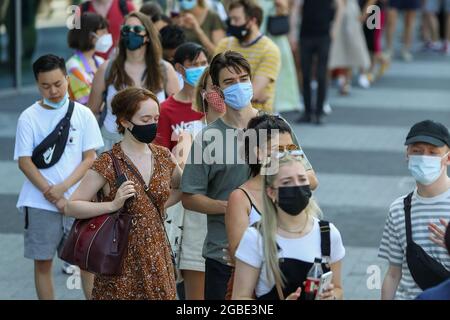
405	4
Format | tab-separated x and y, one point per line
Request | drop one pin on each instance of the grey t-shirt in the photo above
215	179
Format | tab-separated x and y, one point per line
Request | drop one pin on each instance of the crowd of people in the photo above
185	103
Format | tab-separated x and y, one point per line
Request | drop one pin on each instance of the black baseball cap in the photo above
429	131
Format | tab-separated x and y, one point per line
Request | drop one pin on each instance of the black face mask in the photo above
144	133
133	41
239	32
293	200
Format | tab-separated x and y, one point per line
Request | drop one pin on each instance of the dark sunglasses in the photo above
136	29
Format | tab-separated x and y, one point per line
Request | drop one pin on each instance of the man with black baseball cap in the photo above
428	149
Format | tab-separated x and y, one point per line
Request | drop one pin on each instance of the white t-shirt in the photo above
306	248
393	242
34	125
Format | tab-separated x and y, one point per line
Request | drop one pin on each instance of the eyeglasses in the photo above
136	29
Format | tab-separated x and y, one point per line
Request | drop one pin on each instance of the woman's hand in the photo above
295	295
328	293
438	234
125	192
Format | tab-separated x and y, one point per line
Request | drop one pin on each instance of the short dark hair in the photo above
188	51
153	10
228	59
48	62
172	37
81	39
267	122
251	9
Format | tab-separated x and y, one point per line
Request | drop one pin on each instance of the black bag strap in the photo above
152	200
69	113
123	7
325	238
407	208
117	169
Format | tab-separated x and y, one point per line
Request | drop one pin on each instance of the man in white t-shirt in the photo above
45	191
428	152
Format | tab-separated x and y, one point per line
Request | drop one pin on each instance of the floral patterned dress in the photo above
148	272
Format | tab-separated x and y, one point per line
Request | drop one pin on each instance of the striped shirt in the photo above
265	60
393	242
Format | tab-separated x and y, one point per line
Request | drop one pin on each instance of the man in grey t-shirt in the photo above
210	177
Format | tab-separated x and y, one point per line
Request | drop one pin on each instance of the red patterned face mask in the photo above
214	100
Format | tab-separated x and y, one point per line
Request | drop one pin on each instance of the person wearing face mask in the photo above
200	24
245	37
114	11
138	63
190	61
187	229
245	203
275	254
151	172
428	155
46	190
207	183
93	38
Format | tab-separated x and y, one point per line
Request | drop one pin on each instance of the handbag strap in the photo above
152	200
407	208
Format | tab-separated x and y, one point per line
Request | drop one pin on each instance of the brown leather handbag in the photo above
99	245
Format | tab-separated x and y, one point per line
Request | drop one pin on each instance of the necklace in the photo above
296	231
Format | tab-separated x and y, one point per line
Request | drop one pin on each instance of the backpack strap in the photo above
325	238
407	208
124	7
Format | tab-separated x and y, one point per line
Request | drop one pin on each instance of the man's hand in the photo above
55	193
188	21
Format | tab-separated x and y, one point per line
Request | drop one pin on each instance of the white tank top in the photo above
254	215
110	119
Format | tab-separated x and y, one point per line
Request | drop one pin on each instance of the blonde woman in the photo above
275	255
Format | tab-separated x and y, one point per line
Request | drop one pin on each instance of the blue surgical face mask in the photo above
57	105
187	4
193	75
425	169
238	95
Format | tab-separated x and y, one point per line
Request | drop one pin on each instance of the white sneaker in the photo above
407	56
327	108
363	81
68	268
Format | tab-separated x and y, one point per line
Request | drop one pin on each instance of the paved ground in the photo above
358	155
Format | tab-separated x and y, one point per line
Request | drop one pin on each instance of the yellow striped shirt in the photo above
264	59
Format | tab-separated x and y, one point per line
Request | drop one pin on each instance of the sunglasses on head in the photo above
136	29
283	152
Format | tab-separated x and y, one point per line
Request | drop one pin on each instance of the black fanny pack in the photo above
425	270
278	25
50	150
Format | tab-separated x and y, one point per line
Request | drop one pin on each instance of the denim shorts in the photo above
44	233
435	6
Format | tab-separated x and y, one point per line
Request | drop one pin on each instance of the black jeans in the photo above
216	279
310	48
